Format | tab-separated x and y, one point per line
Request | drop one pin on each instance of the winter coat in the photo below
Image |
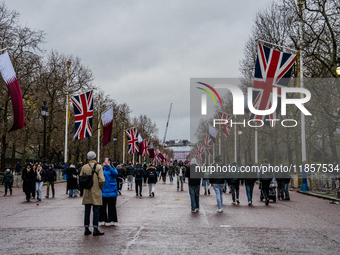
50	175
178	169
71	177
28	180
129	170
110	185
148	171
94	194
8	179
134	173
192	181
171	170
163	170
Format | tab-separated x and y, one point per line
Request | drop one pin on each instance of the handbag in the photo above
86	180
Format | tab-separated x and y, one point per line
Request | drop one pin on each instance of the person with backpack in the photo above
8	181
120	178
129	176
50	178
92	196
152	179
108	211
138	173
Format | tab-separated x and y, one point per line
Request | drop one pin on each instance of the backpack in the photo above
139	173
152	174
86	180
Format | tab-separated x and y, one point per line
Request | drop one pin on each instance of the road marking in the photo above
133	240
224	226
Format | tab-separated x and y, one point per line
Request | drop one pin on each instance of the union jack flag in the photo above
208	141
200	151
146	148
226	127
132	137
272	69
83	113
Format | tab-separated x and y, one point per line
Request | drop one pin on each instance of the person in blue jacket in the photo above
108	212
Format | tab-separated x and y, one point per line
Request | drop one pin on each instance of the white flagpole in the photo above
124	145
235	143
98	156
256	155
66	130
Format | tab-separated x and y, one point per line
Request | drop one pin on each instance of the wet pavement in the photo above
164	224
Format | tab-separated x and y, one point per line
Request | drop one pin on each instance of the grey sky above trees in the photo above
144	53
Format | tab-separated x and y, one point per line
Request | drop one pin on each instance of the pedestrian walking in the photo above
108	211
249	184
129	170
39	180
206	183
138	173
235	186
218	183
120	178
180	172
265	182
145	177
164	171
171	172
93	196
152	179
72	181
34	168
50	178
17	168
280	188
28	181
194	188
286	182
8	181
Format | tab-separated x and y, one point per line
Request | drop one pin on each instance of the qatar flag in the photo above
10	78
107	120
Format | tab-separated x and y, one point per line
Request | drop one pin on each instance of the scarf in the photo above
38	174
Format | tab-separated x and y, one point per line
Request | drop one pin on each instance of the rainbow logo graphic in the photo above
204	97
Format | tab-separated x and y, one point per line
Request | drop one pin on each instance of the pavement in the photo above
164	224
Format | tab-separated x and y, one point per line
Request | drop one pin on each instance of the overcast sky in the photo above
145	52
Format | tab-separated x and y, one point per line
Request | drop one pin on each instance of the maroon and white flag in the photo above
10	78
107	120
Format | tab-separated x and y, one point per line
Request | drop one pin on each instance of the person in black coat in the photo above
120	178
194	187
50	178
28	181
72	181
265	179
152	179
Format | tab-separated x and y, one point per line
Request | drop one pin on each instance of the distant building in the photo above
181	148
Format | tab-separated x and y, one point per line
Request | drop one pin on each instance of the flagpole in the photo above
235	142
124	145
98	156
133	158
68	64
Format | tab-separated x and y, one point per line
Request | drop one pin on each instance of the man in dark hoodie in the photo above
152	179
194	188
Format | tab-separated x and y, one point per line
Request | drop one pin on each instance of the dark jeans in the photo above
119	184
265	189
108	212
145	179
33	190
138	183
95	211
194	192
164	177
287	191
10	189
249	190
235	190
280	189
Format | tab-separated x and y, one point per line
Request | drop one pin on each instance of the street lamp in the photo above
239	147
338	67
44	113
115	143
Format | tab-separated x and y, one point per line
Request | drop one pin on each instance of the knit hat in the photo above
7	170
91	155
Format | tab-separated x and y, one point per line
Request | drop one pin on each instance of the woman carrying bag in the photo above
108	212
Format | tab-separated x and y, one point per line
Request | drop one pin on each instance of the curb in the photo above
318	195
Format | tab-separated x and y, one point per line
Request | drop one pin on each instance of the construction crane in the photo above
167	124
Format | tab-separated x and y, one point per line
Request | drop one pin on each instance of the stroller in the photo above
272	191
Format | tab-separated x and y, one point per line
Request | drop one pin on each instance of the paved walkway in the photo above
165	225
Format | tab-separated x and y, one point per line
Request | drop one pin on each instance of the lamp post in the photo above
239	147
115	145
44	113
338	67
68	64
